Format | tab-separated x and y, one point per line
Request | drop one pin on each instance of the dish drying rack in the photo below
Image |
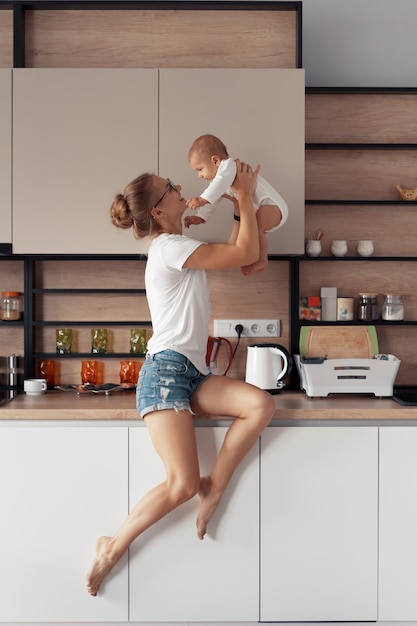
320	376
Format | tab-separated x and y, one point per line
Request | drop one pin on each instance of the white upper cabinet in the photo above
259	115
79	136
5	156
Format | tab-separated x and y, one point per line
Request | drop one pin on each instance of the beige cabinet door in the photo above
397	524
60	489
259	115
175	577
79	136
5	156
319	499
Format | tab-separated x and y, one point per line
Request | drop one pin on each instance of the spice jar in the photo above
368	307
11	305
393	308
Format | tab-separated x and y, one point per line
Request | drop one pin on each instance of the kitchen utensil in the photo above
339	342
219	355
267	364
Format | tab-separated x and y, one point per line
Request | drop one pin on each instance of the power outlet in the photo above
251	328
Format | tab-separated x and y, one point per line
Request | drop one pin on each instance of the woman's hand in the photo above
245	180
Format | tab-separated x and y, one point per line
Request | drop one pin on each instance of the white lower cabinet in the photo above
398	524
175	577
60	488
319	524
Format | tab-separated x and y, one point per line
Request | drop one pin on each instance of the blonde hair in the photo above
207	146
132	208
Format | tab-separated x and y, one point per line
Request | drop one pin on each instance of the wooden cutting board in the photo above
339	342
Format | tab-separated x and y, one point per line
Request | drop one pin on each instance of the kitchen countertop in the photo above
291	406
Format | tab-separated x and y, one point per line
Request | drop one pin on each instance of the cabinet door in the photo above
397	524
319	524
79	136
5	156
60	489
259	115
174	576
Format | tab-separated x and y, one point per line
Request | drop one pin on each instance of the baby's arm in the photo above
195	203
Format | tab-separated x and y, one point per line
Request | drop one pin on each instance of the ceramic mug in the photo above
34	386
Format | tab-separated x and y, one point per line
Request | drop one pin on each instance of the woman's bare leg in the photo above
173	437
253	409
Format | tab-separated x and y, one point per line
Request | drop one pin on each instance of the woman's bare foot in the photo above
101	566
208	504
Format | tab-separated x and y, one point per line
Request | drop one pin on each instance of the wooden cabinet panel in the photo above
5	154
79	137
259	115
155	38
6	38
319	524
359	174
361	118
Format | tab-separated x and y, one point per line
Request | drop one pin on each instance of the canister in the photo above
11	305
368	307
393	308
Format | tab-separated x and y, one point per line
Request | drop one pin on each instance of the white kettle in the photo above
267	364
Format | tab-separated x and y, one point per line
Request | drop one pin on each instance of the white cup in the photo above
339	247
34	386
366	247
313	247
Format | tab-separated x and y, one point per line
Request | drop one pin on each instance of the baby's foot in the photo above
208	505
101	566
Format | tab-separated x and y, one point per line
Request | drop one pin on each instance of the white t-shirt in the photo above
178	298
226	173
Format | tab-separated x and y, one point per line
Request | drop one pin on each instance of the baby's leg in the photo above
267	217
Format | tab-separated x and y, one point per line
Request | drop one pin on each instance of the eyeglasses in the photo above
170	187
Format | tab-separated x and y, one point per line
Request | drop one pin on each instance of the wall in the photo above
360	43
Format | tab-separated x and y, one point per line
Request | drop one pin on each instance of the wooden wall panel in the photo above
161	38
361	118
357	174
6	38
392	228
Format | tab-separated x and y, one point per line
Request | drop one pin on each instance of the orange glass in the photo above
90	372
129	372
47	370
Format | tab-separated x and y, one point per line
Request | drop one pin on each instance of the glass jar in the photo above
368	307
11	305
393	308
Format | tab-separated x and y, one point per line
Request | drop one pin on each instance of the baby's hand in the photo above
192	219
195	203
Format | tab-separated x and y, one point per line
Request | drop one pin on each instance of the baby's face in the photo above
205	167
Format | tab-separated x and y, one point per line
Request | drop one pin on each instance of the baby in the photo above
209	158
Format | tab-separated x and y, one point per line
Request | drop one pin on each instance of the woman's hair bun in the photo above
120	212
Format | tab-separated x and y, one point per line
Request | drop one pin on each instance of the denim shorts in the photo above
167	380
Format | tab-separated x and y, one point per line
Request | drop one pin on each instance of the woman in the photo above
174	382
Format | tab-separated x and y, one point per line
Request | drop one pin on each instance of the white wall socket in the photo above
251	328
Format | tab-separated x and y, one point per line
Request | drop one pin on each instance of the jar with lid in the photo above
368	307
11	305
393	308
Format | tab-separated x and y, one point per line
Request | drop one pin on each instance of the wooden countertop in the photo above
291	406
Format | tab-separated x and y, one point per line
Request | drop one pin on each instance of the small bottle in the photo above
368	307
11	305
393	308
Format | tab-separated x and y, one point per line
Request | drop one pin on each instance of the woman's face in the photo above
168	195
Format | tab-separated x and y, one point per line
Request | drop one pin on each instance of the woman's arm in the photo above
245	249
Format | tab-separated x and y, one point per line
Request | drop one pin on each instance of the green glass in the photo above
98	340
63	340
138	341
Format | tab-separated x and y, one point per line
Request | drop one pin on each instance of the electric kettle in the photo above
267	364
